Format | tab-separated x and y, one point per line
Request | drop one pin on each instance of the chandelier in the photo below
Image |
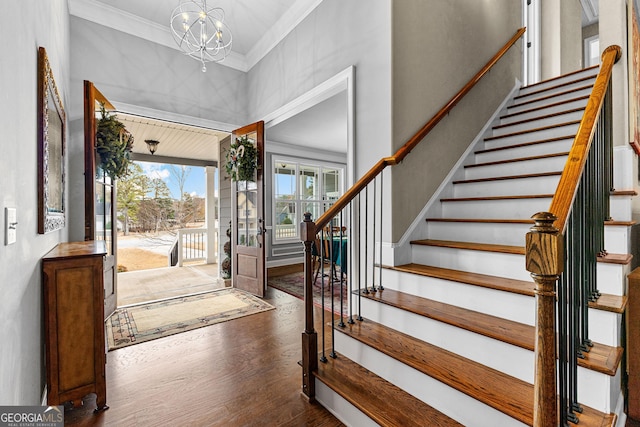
200	31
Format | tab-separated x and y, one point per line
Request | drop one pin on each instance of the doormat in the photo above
293	284
145	322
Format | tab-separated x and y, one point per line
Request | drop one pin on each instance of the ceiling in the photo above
257	26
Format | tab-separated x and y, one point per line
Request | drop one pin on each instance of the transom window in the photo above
299	187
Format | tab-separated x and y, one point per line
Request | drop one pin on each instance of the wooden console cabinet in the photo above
74	322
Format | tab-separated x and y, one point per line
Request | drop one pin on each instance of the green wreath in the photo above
242	160
113	144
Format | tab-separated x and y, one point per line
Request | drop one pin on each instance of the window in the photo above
299	187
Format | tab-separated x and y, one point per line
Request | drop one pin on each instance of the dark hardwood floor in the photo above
243	372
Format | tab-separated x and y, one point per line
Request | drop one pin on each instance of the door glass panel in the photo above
100	208
108	215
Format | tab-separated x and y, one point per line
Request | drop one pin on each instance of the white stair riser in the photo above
508	187
605	327
522	105
561	146
516	307
617	239
561	81
547	164
348	414
537	123
482	262
599	391
612	278
507	358
536	94
477	232
620	208
489	209
551	109
511	360
445	399
539	135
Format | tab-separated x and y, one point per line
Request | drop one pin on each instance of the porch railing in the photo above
328	241
191	245
561	254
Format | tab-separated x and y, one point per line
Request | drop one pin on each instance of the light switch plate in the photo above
10	225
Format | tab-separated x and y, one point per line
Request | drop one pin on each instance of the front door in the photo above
247	201
100	197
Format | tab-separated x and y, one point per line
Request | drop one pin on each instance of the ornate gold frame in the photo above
51	147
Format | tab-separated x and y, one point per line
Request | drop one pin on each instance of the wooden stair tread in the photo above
555	104
571	73
526	131
385	403
519	159
484	280
601	358
526	144
507	394
516	221
609	258
500	178
483	220
558	86
544	98
472	199
606	302
543	117
622	259
624	193
517	250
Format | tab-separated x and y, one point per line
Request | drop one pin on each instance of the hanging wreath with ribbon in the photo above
242	160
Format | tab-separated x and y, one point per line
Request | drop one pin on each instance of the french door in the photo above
100	197
247	204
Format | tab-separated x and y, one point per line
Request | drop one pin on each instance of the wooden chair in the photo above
323	250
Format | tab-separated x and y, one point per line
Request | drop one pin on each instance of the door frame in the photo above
259	287
92	96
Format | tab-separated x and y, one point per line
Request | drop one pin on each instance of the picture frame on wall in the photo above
51	150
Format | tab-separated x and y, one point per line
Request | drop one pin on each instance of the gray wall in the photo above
436	50
30	24
336	35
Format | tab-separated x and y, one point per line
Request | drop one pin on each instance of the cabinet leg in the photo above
101	404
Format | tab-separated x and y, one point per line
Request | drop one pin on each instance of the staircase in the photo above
450	338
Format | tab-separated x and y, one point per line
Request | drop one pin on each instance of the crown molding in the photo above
287	22
120	20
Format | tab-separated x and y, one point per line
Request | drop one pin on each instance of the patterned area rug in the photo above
293	284
145	322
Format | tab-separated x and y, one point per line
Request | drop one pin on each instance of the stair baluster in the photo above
575	221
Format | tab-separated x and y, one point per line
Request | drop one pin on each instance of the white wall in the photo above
31	23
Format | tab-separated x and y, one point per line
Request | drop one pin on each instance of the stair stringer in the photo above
400	253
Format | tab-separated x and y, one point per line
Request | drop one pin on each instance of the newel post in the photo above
309	335
544	260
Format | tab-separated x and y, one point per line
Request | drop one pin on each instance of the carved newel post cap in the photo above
307	216
544	222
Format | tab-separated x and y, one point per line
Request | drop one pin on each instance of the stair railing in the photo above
354	210
561	254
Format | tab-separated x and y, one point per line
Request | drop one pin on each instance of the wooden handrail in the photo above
573	169
403	151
